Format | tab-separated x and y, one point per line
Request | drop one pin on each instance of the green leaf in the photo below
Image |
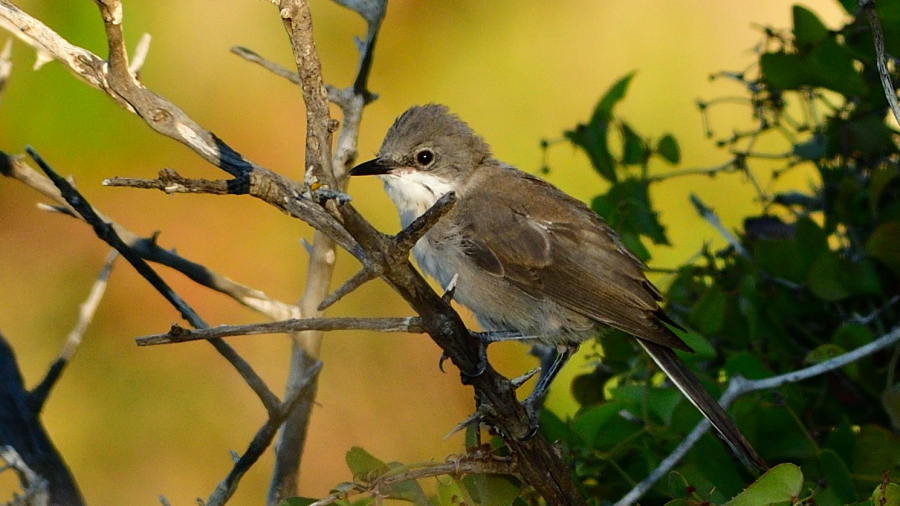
808	28
661	402
634	245
667	147
832	277
633	150
703	350
837	476
876	450
362	462
491	490
589	422
708	314
626	207
780	258
828	351
613	96
452	493
747	365
827	65
594	140
812	149
887	495
780	484
884	245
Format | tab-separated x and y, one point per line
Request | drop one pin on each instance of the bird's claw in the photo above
441	361
534	414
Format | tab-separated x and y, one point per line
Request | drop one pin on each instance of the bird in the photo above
527	258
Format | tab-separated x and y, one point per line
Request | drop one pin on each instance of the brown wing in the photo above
552	246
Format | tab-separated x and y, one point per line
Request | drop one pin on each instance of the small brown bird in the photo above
527	257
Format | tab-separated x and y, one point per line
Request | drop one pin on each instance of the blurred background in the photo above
133	423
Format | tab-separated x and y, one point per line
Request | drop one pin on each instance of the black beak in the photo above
372	168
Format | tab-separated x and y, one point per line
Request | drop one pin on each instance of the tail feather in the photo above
690	386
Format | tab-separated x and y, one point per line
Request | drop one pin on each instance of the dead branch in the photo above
179	334
38	395
106	232
878	38
16	168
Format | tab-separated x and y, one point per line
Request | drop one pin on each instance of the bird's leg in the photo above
534	401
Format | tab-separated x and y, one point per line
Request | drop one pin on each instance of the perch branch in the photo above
738	386
38	395
106	232
179	334
878	36
5	64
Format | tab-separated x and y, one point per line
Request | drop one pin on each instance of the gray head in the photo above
428	138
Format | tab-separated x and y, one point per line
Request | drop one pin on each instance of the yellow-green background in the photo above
136	422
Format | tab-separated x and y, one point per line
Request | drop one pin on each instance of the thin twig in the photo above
5	64
878	37
271	66
709	171
263	438
710	217
38	395
106	232
140	54
738	386
179	334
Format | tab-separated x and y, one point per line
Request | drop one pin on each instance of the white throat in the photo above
414	191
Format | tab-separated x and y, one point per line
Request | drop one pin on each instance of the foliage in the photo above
814	275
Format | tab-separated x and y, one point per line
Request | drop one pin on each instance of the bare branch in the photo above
179	334
273	67
878	35
728	166
106	232
16	168
710	216
35	487
263	438
409	236
38	395
739	386
362	277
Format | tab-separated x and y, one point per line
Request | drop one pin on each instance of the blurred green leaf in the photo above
837	476
667	147
627	209
633	150
882	179
589	422
703	350
613	96
660	402
828	351
832	277
826	65
808	28
491	490
782	483
594	139
709	312
876	450
884	245
780	258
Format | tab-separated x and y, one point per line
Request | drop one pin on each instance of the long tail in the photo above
690	386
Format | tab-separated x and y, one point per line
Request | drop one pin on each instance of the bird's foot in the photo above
533	408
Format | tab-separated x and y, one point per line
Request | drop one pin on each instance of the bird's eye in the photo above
424	157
